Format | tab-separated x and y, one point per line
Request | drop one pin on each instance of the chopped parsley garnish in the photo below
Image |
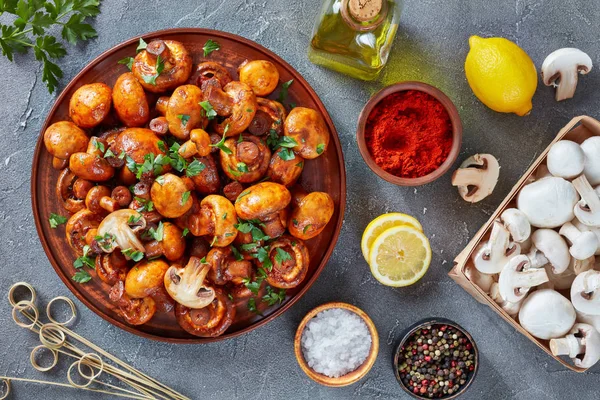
185	232
210	46
135	255
320	148
194	168
273	297
185	197
160	180
106	241
85	260
109	153
306	228
161	146
184	118
145	205
56	220
221	144
300	164
208	109
238	256
286	141
252	286
252	306
81	276
281	255
99	145
233	171
242	167
160	66
284	91
158	233
224	216
141	46
286	154
126	61
244	193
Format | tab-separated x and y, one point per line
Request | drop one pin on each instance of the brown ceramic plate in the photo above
325	174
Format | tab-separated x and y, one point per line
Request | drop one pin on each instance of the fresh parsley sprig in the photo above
221	143
29	30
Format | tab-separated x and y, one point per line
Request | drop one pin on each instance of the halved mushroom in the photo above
176	62
560	69
145	278
168	242
493	255
210	321
91	165
119	229
290	259
65	190
548	203
587	209
78	226
307	128
171	196
247	160
186	285
517	277
216	217
585	292
582	345
310	217
476	177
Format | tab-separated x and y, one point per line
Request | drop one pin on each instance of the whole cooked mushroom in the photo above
210	70
307	128
184	112
145	278
64	138
198	144
268	118
548	247
134	311
78	226
493	255
98	200
261	201
240	109
225	267
585	292
546	314
476	177
217	217
168	241
171	196
517	224
285	167
90	104
129	100
511	309
560	69
162	66
119	230
582	345
517	277
584	244
209	321
587	209
290	261
186	285
309	218
207	181
261	75
548	203
591	149
111	268
92	165
565	159
247	160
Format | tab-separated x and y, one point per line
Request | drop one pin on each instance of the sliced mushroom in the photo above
493	255
517	224
583	244
120	230
186	285
518	277
476	177
587	209
582	345
560	69
585	292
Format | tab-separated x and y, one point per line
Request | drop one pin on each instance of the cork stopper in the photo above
365	10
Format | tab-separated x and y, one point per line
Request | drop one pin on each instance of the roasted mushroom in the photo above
262	201
64	138
309	131
119	229
130	101
285	167
269	117
98	200
217	218
247	160
78	226
261	75
65	190
242	109
225	267
168	242
145	278
210	321
90	104
176	65
207	180
134	311
171	196
310	217
198	144
91	165
184	112
290	261
137	143
210	70
187	285
112	268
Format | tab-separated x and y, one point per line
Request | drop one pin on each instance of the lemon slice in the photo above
380	224
400	256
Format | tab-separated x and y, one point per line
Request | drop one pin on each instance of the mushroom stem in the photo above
158	48
537	259
587	193
580	266
477	177
569	345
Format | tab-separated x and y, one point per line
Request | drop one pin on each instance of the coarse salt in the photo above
336	342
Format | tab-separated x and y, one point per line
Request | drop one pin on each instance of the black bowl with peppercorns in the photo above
436	359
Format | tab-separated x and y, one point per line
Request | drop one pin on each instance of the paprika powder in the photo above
409	134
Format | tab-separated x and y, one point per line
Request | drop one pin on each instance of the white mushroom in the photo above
186	285
484	281
593	320
517	277
585	292
548	203
119	229
591	149
549	247
560	69
587	209
511	309
491	257
579	266
584	228
476	177
565	159
517	224
560	281
582	345
546	314
583	244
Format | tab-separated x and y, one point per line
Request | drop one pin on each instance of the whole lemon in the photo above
501	74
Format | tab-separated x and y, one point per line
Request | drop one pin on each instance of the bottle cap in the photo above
365	10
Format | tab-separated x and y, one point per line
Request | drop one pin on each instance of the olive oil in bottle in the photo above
354	37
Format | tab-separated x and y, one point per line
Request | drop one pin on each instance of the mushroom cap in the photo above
117	226
517	224
554	248
584	246
186	285
584	228
145	278
476	177
511	309
546	314
169	196
591	340
262	200
548	203
563	280
585	293
223	217
517	277
565	159
64	138
493	255
591	150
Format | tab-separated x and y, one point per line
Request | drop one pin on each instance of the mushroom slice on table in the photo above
549	248
587	209
119	229
560	69
186	285
583	244
585	292
517	224
517	277
493	255
582	345
565	159
476	177
548	203
546	314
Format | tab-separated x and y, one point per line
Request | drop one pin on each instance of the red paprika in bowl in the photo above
409	133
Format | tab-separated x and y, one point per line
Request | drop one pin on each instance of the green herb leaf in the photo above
128	61
203	260
286	154
320	148
75	29
272	139
210	46
109	153
56	220
281	255
160	66
273	297
106	241
253	286
81	277
135	255
184	118
221	144
146	205
252	306
194	168
160	180
99	145
85	260
134	219
208	109
161	146
242	167
185	197
141	45
284	90
249	246
224	216
263	256
238	256
185	232
306	228
300	164
233	171
286	141
158	233
244	193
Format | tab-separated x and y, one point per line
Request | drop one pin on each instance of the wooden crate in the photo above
578	129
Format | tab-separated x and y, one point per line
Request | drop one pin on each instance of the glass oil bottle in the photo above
354	37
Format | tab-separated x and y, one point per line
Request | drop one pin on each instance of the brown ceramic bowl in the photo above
325	173
350	377
419	325
456	133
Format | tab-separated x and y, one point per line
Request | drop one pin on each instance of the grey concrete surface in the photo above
431	46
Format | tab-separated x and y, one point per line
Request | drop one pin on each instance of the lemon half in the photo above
380	224
400	256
